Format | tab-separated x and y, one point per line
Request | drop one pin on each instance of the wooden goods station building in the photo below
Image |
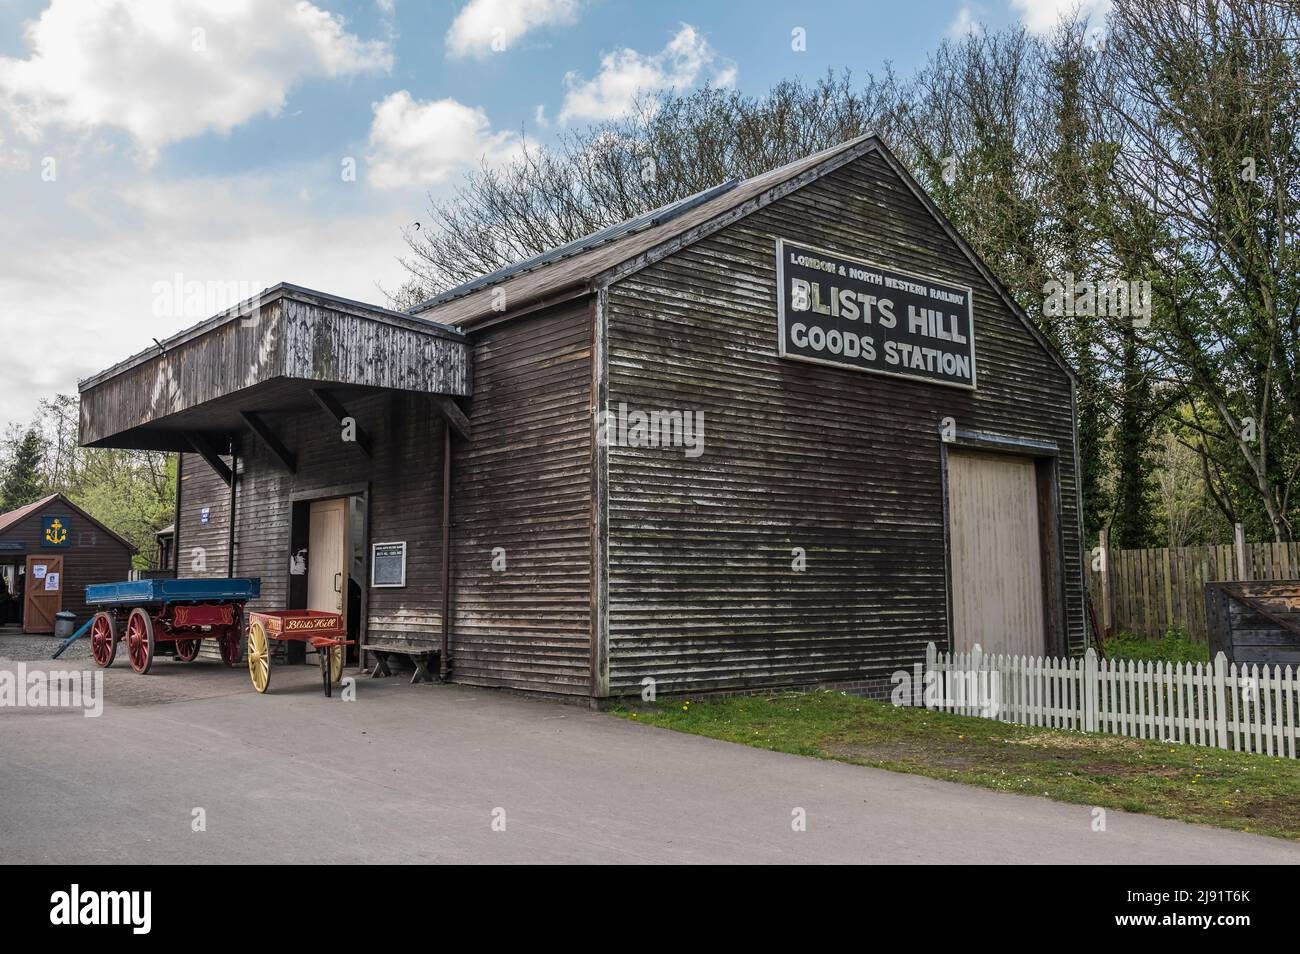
784	432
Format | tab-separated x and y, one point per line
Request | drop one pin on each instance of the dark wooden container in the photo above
1254	622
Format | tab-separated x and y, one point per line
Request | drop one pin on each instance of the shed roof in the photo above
16	516
12	517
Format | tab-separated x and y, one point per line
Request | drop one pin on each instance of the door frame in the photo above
295	588
1046	457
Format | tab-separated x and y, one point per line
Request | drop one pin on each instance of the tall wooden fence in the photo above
1153	591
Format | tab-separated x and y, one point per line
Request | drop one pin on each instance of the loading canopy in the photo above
289	349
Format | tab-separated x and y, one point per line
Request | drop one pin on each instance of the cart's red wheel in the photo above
187	649
140	644
103	639
232	641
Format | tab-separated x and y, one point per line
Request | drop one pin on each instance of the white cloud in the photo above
486	26
166	70
624	74
1041	16
965	24
418	143
78	290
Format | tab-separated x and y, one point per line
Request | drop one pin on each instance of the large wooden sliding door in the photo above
996	554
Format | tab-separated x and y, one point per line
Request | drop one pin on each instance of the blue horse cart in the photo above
172	615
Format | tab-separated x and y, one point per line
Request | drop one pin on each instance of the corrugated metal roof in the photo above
610	233
554	275
7	520
578	262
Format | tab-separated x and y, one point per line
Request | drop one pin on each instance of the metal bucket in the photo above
65	624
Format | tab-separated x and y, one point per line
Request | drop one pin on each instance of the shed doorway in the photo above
44	593
13	594
996	553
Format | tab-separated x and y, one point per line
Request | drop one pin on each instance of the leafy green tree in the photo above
22	479
1202	102
134	492
1073	188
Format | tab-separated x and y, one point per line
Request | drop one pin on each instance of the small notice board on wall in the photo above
388	564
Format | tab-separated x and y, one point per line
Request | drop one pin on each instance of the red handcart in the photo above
325	631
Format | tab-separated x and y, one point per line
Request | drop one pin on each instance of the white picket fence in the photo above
1246	708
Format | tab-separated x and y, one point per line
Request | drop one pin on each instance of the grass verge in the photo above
1175	647
1252	793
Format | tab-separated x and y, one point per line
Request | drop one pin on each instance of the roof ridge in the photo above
10	517
635	225
664	213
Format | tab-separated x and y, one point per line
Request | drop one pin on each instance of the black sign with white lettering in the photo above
388	564
840	311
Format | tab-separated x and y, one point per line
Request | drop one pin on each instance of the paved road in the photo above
418	773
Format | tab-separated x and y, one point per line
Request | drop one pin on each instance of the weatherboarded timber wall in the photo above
1159	589
92	556
522	498
522	488
404	482
841	464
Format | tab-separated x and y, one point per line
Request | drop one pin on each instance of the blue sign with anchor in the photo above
54	532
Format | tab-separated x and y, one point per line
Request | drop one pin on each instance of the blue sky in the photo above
152	144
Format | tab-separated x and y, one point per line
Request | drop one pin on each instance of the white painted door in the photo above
327	548
997	570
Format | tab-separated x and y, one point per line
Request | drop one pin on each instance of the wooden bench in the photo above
421	657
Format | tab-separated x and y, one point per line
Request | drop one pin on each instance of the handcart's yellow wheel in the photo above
336	664
259	657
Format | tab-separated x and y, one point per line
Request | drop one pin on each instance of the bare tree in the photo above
670	147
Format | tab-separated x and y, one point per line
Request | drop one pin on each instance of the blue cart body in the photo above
145	592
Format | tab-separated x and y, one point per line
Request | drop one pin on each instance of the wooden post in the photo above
230	531
1107	593
1090	690
176	524
931	666
1239	545
1220	700
446	552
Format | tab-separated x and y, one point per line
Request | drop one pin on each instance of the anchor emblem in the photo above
56	533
